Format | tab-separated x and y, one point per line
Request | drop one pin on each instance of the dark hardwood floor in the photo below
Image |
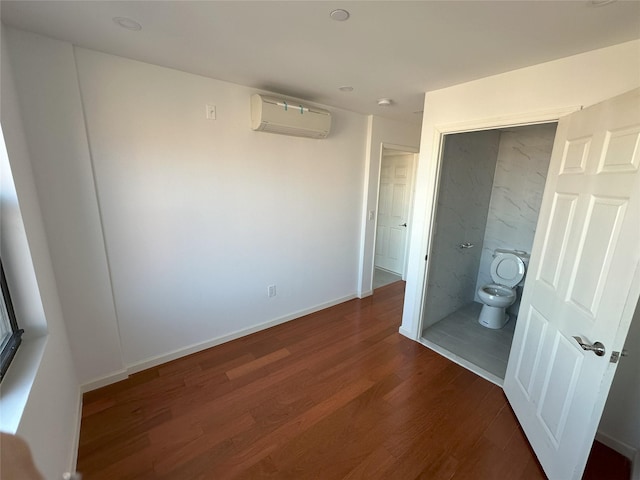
334	395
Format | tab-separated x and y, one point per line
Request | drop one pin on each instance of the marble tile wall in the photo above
469	163
520	175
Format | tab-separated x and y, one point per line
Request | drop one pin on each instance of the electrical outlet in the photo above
211	112
271	290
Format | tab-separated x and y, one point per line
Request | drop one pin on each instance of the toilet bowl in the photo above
496	299
507	270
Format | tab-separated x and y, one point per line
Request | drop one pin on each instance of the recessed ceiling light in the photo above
128	23
346	88
339	15
385	102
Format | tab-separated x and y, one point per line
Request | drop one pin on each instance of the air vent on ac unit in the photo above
288	117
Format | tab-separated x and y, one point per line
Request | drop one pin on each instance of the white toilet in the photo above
507	271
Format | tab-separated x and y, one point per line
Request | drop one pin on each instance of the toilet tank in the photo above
524	256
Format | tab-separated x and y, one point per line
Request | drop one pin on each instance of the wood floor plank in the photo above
269	443
372	466
117	430
258	363
128	467
346	436
606	463
204	374
98	459
335	394
203	444
501	429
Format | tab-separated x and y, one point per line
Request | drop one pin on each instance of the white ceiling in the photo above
392	49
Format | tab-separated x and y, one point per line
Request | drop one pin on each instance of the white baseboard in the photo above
164	358
622	448
406	333
104	381
73	461
463	362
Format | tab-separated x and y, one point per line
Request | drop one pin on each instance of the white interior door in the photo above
393	212
583	281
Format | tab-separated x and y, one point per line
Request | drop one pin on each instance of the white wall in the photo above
516	195
620	423
40	395
188	220
531	94
535	92
201	216
49	98
380	131
466	178
155	232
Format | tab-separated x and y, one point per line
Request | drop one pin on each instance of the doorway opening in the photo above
395	202
490	187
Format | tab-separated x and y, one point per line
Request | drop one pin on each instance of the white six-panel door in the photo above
393	211
583	281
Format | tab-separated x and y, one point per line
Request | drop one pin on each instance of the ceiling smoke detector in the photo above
128	23
385	102
339	15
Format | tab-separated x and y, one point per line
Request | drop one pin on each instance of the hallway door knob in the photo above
403	225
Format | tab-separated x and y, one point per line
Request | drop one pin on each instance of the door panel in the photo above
559	387
621	151
527	364
575	155
602	226
393	212
582	281
555	247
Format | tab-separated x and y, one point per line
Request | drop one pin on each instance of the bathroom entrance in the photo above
489	194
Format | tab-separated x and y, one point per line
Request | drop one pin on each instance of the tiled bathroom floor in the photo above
462	335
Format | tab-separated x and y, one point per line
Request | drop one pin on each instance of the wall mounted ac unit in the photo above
288	117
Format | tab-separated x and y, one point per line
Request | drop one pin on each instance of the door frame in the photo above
400	149
440	131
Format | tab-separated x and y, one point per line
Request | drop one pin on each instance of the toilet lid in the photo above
507	270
